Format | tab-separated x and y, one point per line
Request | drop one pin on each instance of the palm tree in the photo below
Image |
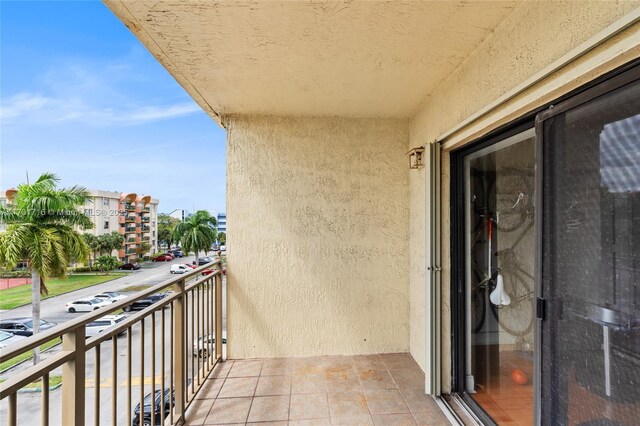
197	233
42	221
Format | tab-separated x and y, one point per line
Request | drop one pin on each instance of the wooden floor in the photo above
506	402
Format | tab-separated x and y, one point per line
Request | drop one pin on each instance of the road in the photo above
29	404
52	309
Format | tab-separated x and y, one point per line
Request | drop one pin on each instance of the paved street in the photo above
53	309
29	404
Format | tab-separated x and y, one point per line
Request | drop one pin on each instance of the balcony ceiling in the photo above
362	59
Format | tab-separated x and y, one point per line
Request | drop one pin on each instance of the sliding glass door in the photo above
591	259
546	277
499	238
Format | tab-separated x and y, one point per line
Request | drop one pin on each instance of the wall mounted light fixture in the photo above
415	158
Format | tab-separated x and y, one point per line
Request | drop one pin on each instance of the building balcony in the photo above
146	209
129	219
130	229
129	206
146	228
145	219
360	389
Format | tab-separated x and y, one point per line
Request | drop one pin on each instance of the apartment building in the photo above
222	222
133	216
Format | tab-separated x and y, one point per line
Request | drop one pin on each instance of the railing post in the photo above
179	353
219	314
73	378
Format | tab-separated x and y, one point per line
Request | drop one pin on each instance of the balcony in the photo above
129	207
130	229
160	341
163	341
146	209
146	228
145	219
129	219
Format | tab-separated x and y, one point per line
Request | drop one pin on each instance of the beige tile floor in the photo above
382	389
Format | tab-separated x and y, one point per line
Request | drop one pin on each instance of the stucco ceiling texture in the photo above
354	59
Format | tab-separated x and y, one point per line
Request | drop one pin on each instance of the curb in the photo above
37	390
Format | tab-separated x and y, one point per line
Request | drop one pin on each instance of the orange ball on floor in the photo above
519	377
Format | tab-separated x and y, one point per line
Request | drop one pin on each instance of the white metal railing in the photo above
194	317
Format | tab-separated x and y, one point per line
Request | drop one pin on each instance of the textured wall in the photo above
318	213
527	41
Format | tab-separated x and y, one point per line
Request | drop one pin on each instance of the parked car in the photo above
130	266
177	253
160	414
23	326
223	247
200	348
7	339
189	265
163	258
204	260
111	296
211	271
86	305
179	269
107	321
144	303
169	254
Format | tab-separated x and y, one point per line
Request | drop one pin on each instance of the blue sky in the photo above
81	97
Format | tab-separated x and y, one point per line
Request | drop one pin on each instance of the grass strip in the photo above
27	355
19	296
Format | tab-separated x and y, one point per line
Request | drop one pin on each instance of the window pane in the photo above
500	253
591	267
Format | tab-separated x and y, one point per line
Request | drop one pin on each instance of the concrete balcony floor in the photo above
385	389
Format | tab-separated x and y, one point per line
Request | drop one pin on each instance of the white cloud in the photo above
21	104
96	94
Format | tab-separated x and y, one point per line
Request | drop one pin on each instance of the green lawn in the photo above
53	381
26	355
18	296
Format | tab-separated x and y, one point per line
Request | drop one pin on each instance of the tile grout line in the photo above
253	396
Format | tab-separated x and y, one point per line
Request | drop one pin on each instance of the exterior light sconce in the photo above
415	158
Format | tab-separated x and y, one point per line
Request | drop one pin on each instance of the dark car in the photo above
177	253
23	326
204	260
157	408
144	303
130	266
163	258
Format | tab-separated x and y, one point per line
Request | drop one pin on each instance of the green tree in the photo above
41	224
222	238
107	263
109	242
197	233
144	249
166	228
94	246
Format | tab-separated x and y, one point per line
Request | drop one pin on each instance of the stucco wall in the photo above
528	40
318	213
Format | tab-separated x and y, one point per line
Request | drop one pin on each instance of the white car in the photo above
179	269
223	247
7	339
99	325
110	296
199	348
86	305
